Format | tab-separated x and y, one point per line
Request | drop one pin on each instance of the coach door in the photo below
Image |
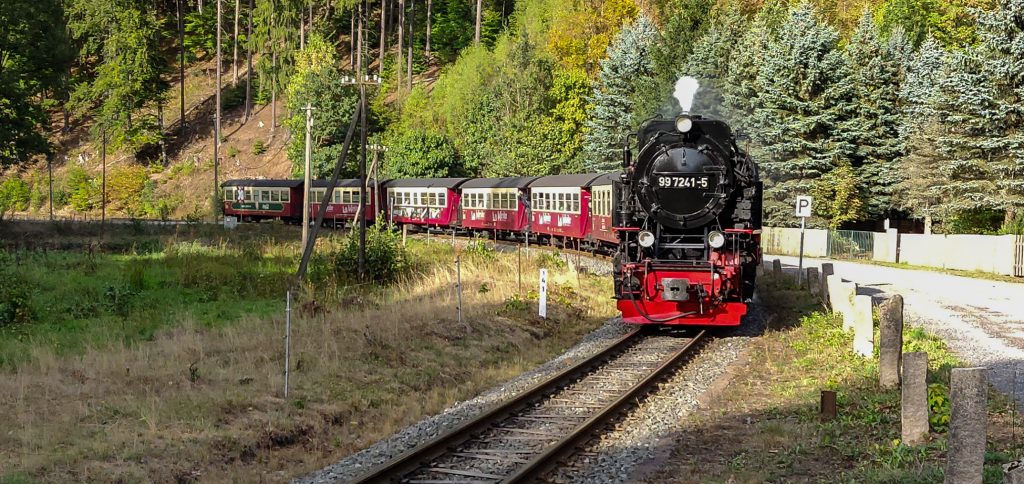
1018	256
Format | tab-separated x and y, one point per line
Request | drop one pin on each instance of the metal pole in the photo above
307	177
287	338
103	190
362	181
49	168
458	284
800	266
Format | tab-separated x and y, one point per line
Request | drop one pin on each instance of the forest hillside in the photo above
879	108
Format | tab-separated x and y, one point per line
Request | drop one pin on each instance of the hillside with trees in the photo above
879	108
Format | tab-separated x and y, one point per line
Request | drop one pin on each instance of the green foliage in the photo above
16	306
938	407
259	147
276	37
14	196
84	193
125	188
422	154
386	258
317	82
836	196
951	22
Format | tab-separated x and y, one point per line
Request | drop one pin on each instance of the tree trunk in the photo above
200	2
927	223
181	65
216	130
234	58
273	91
352	40
248	72
426	49
401	45
302	29
383	35
479	15
412	20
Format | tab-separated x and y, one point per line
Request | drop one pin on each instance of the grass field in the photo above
165	364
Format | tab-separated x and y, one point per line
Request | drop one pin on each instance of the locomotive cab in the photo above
688	219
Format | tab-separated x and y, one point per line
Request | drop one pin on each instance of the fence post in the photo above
826	270
967	432
890	348
458	285
914	398
813	285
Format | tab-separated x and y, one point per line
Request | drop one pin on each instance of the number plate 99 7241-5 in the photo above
700	182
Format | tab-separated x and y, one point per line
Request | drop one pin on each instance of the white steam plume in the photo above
686	89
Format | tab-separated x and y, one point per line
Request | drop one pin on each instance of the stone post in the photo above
826	270
967	418
914	411
777	268
812	280
863	326
890	348
1013	473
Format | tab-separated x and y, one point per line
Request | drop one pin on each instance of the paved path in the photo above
982	320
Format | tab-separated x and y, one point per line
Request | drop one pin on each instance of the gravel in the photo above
430	427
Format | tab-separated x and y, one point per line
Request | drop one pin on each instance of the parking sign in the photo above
803	206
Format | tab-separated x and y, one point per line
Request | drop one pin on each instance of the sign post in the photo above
803	210
542	298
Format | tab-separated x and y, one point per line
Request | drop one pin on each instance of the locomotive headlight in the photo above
684	124
645	238
716	239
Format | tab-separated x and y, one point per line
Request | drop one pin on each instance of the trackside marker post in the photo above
803	210
542	298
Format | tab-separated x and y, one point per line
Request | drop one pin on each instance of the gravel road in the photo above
981	320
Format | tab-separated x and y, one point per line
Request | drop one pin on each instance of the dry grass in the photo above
205	404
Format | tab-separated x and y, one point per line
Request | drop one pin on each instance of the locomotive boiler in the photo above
688	217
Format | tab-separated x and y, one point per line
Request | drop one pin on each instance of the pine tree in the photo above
741	86
805	99
919	87
874	126
711	60
612	118
922	174
276	36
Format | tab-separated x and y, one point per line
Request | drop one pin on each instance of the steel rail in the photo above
422	454
567	446
419	457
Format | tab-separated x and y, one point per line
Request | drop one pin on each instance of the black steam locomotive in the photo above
688	217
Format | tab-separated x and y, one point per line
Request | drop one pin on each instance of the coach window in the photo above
576	202
346	196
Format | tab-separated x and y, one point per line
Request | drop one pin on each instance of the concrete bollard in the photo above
1013	473
812	280
914	398
826	270
890	348
863	326
968	415
777	268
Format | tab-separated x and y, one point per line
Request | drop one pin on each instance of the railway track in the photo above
521	439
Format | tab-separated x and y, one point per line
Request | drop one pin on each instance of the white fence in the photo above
997	254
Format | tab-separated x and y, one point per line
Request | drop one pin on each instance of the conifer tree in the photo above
276	36
874	126
919	87
741	86
612	117
711	59
804	101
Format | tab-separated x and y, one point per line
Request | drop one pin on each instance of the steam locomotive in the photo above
688	219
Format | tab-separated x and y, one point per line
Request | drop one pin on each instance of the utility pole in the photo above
307	177
412	21
401	45
216	131
362	181
359	40
383	33
103	186
429	13
374	169
49	167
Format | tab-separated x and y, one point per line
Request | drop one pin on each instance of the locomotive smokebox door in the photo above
675	289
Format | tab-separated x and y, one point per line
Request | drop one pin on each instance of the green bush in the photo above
258	147
125	189
14	196
83	190
15	296
386	258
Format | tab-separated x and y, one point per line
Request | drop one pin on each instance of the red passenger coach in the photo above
255	200
496	204
602	204
426	202
561	206
345	201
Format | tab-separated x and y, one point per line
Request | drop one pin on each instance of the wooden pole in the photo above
216	131
234	57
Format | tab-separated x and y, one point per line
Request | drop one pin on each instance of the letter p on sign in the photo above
803	206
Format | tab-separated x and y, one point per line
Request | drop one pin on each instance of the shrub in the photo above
258	147
386	258
15	297
14	196
232	151
83	190
125	189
